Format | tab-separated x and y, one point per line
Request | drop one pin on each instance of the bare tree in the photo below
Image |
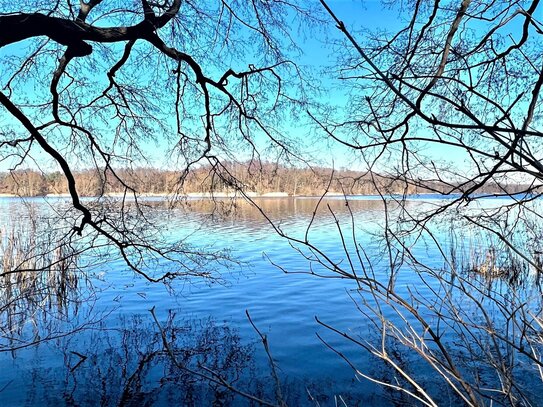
448	103
114	84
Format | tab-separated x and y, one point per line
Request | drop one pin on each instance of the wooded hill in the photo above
261	179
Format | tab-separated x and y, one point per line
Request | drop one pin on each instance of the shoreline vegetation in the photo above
203	195
237	195
262	181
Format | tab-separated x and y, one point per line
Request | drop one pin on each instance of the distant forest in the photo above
261	179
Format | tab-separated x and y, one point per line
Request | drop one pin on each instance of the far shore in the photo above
207	195
238	195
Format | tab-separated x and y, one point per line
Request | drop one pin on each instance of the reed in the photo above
484	257
38	277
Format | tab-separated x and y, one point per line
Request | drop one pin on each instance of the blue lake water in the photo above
104	348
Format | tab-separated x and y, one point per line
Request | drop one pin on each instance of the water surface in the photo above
114	352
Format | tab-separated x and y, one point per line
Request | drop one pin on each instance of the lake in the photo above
89	337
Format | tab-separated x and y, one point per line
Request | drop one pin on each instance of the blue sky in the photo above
316	53
321	56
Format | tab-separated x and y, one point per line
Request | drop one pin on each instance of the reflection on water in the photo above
128	366
115	352
281	209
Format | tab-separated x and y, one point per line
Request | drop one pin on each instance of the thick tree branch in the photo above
73	34
36	135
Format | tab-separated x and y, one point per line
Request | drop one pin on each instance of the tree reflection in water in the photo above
128	365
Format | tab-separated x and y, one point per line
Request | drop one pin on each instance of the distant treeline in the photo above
261	179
